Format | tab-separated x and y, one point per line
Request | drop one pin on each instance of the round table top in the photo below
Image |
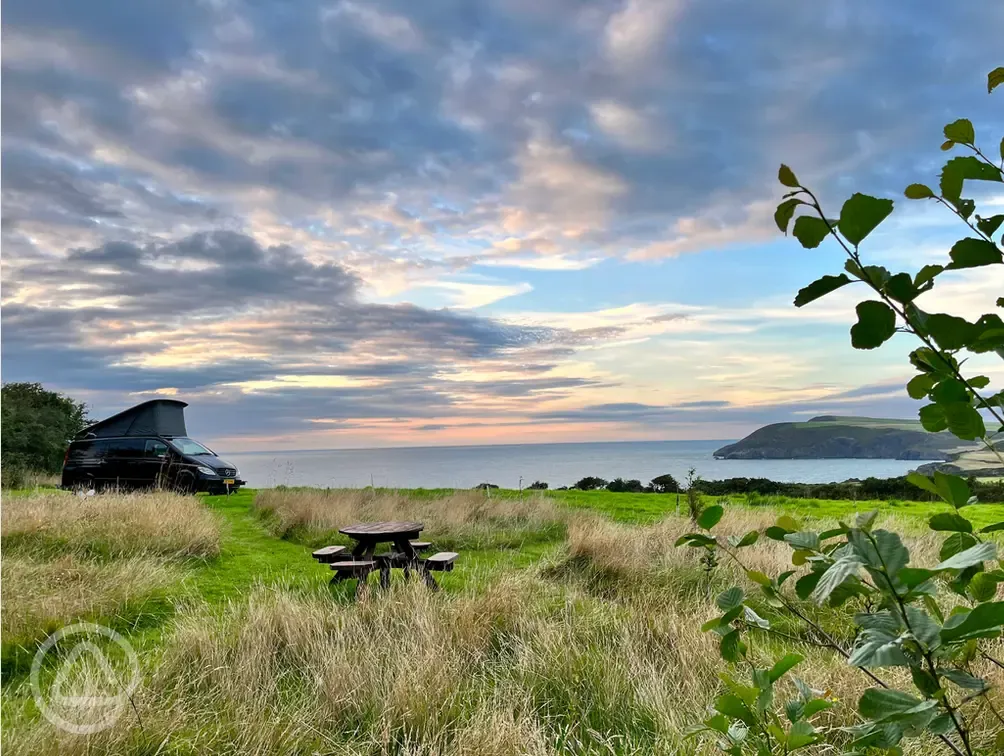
373	529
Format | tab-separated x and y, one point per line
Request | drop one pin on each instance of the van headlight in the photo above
206	471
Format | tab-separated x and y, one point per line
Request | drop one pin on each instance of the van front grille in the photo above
227	472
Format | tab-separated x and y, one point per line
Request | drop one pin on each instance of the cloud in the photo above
227	198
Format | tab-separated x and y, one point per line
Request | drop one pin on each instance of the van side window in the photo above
127	447
155	448
80	450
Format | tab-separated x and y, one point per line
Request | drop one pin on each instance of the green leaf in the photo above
960	131
800	735
732	706
950	390
810	230
900	287
927	273
964	679
983	586
806	584
784	213
954	544
911	577
876	325
919	386
947	145
979	381
747	540
922	481
989	225
710	516
952	488
964	421
992	528
985	620
932	417
836	574
731	647
977	554
775	533
973	253
758	577
730	598
820	287
958	169
950	521
861	214
782	666
995	78
918	191
949	331
815	706
695	539
787	522
803	540
879	704
787	177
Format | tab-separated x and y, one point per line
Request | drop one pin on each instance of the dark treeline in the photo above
869	488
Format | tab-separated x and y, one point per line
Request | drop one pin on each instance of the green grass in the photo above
561	649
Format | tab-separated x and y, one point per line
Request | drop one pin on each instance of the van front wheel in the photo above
186	483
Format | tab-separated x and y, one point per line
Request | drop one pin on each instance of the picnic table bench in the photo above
405	554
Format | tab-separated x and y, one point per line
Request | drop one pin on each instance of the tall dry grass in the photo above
40	597
464	519
114	525
522	667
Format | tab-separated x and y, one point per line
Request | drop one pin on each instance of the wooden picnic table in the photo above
368	535
404	554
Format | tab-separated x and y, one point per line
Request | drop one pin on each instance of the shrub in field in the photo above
590	483
940	623
665	484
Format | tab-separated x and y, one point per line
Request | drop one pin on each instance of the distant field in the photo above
570	625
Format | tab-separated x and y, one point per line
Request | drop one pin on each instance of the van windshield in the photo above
188	446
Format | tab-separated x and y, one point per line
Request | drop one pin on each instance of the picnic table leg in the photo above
429	579
404	546
385	577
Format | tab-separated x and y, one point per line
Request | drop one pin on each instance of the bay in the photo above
556	464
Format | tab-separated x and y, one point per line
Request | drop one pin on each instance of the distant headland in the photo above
833	437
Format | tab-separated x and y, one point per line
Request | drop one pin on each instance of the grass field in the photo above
571	624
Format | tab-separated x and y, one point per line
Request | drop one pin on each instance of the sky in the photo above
359	224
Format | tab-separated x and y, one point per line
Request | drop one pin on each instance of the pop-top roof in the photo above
158	417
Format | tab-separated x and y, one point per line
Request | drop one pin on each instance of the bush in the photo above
590	483
665	484
619	485
537	485
37	427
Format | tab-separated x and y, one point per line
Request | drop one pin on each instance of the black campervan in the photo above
146	446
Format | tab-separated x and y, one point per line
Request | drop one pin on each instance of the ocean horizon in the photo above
513	465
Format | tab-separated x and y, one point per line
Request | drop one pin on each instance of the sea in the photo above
513	466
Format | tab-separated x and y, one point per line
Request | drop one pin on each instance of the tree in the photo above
936	620
37	427
590	483
537	485
665	484
619	485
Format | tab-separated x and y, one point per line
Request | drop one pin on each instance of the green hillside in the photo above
833	437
